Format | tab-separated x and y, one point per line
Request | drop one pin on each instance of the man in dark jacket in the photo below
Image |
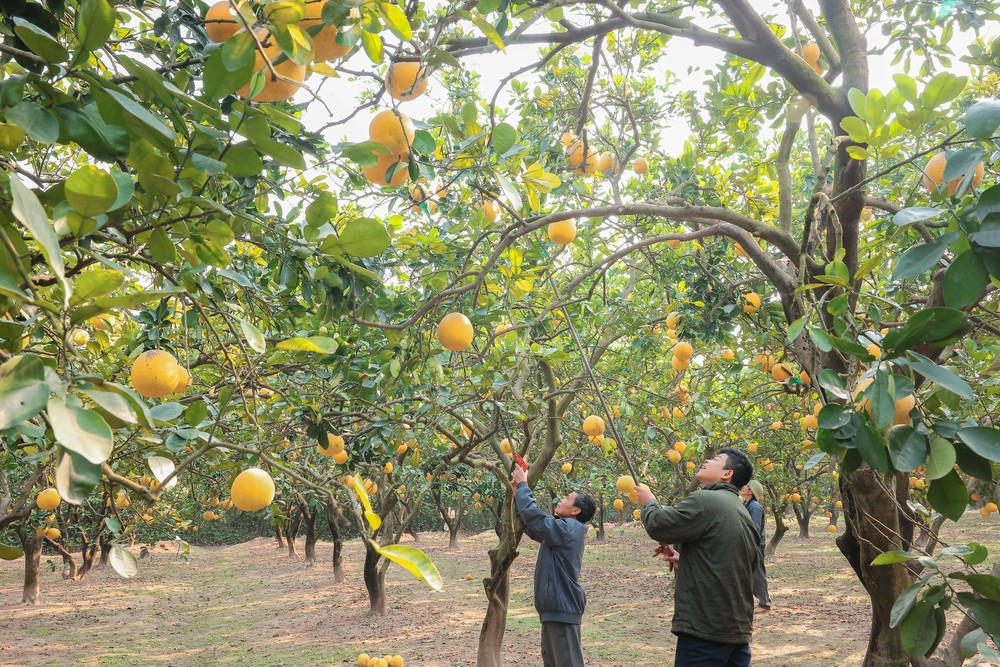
752	494
559	598
717	541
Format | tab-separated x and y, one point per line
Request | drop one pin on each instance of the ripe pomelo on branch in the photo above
220	22
593	426
283	82
455	332
155	373
253	489
562	231
389	170
48	499
406	81
325	46
392	129
934	175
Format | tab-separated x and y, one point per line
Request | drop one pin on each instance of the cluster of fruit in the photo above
365	660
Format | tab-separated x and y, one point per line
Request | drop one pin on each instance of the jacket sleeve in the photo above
538	525
674	524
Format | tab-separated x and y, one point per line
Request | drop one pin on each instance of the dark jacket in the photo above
718	545
757	514
558	595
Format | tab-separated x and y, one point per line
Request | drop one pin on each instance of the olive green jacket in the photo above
717	541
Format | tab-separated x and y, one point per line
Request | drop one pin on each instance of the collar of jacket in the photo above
721	486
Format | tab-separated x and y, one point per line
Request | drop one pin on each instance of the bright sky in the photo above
342	95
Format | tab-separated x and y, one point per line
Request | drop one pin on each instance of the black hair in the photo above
738	462
586	505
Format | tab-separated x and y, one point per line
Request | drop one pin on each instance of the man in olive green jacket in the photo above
717	541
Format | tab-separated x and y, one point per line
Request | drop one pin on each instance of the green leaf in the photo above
988	234
196	413
76	477
511	192
94	284
830	380
114	404
907	448
856	128
913	214
892	557
944	87
918	629
872	448
124	561
95	19
932	325
40	43
38	122
820	338
219	79
8	552
972	463
965	280
364	237
80	430
283	154
905	601
948	495
985	584
255	339
24	390
374	522
982	440
983	118
918	259
414	561
987	615
29	211
242	161
834	416
86	127
940	375
372	45
941	458
485	27
504	137
396	20
317	344
145	122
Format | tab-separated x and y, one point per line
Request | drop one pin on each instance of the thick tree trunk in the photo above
89	555
453	536
874	525
490	651
803	520
32	571
780	528
278	538
69	570
374	583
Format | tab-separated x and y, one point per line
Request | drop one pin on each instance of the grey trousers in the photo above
561	645
760	583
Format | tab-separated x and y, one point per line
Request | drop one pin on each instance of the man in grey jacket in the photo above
559	598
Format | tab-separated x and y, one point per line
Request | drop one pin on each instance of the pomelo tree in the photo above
155	172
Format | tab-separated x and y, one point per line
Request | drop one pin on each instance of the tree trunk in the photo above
106	545
311	537
32	559
277	537
89	554
453	535
874	525
490	651
374	583
803	521
780	528
338	547
69	566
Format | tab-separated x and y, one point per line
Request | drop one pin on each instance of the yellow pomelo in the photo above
455	332
155	373
253	489
405	80
48	499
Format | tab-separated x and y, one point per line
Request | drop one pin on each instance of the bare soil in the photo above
250	605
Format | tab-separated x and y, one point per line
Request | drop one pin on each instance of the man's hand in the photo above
643	495
518	476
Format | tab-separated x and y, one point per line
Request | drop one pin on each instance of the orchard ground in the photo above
250	605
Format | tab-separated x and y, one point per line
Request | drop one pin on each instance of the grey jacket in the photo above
558	595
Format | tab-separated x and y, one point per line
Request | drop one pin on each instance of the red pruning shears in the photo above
519	461
665	550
